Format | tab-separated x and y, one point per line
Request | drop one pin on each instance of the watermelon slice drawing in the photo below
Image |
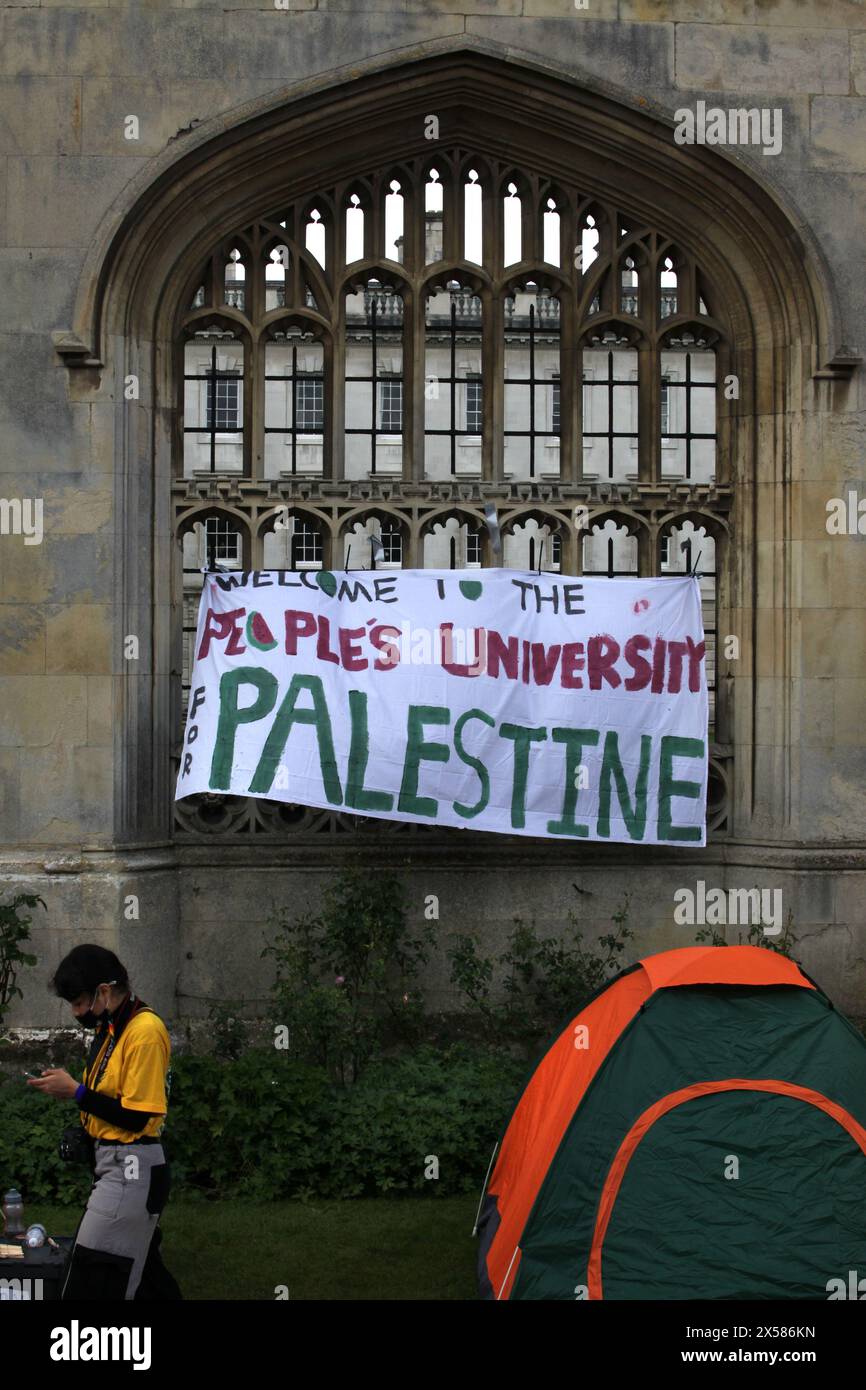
259	634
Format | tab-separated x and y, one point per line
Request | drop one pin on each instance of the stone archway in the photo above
770	275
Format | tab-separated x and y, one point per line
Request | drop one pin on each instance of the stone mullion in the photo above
569	236
493	216
569	388
177	432
338	235
645	559
254	290
410	375
413	254
687	288
648	414
414	540
415	345
249	379
257	352
726	413
217	280
493	393
329	406
374	222
336	383
451	248
529	218
257	540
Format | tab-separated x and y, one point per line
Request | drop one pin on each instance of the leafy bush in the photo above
29	1136
346	980
755	936
14	929
267	1126
451	1106
228	1032
542	980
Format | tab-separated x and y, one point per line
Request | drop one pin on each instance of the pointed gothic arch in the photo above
771	296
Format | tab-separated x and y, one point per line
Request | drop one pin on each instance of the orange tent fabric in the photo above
560	1081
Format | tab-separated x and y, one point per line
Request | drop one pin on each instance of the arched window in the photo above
440	325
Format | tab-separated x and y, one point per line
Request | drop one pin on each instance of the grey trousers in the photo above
130	1189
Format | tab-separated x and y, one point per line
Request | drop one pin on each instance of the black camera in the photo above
76	1145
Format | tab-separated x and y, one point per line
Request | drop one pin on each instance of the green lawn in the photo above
405	1248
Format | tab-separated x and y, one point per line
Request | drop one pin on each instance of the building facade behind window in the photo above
328	292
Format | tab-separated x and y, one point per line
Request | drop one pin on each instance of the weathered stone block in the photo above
832	14
687	11
817	563
106	107
111	43
833	648
78	638
850	702
839	132
63	199
858	62
58	569
100	711
812	898
40	116
566	9
69	793
37	711
850	896
813	703
735	58
831	788
288	47
75	506
22	638
38	287
10	796
638	57
97	424
285	7
849	576
194	100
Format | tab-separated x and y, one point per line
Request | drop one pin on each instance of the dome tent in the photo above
697	1130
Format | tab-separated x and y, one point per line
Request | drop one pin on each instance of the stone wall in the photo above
69	76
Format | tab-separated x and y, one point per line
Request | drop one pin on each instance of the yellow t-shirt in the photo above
136	1074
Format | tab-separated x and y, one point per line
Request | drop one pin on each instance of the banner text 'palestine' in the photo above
529	704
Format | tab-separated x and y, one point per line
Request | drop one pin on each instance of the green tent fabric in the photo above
757	1192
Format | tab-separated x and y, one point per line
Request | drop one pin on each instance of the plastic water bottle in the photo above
13	1212
35	1236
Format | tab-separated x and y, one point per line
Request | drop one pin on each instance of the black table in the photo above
39	1275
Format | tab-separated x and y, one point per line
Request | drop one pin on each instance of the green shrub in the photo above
542	981
267	1126
346	980
29	1137
783	945
449	1105
228	1032
14	929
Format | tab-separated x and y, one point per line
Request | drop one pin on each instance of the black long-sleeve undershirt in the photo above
110	1109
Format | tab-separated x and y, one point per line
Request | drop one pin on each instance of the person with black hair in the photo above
123	1102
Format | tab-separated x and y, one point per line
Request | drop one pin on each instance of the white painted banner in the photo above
530	704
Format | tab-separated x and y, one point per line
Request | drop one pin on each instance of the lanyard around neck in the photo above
116	1024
